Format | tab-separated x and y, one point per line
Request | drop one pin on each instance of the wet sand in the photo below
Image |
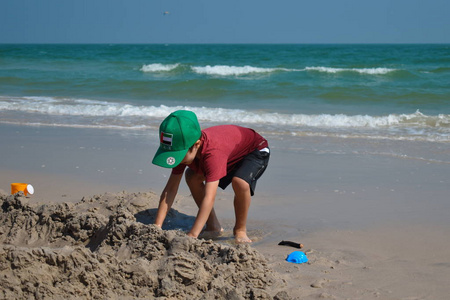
373	216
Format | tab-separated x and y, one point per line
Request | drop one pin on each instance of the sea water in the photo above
396	92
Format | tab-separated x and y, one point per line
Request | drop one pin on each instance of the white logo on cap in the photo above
170	160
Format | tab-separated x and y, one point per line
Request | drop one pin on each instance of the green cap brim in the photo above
168	159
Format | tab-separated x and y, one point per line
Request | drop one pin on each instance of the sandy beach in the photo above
373	217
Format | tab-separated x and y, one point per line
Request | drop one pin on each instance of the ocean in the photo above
373	92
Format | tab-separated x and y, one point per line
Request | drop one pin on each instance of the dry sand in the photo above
105	248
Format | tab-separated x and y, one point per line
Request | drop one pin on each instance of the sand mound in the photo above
95	249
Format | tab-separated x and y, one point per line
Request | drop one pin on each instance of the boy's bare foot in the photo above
241	237
243	240
210	234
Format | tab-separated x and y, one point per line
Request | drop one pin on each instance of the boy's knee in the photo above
240	184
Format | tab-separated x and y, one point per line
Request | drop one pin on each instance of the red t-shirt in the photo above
222	147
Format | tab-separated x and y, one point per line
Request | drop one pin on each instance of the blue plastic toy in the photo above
297	257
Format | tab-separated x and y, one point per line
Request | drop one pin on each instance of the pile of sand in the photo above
96	249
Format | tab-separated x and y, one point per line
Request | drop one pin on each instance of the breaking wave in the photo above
84	112
225	70
84	107
159	67
369	71
234	71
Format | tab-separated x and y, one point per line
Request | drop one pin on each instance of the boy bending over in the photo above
214	157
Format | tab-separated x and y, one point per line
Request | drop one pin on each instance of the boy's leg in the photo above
196	185
242	200
244	183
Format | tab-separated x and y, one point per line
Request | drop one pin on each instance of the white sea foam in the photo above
84	107
323	120
159	67
370	71
128	115
225	70
221	70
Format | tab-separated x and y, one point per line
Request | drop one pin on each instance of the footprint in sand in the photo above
319	283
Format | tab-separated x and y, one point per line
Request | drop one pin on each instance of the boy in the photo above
215	157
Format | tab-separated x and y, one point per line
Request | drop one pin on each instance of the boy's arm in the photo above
167	197
205	208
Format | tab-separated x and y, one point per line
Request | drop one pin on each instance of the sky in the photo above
225	21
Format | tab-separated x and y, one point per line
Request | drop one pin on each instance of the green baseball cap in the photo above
177	133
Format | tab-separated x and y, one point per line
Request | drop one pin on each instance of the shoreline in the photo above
373	226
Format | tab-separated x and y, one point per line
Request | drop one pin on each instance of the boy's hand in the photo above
192	235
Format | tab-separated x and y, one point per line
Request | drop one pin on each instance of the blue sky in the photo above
231	21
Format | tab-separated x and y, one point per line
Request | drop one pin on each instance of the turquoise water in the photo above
387	91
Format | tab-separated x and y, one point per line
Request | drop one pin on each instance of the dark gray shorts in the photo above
250	168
